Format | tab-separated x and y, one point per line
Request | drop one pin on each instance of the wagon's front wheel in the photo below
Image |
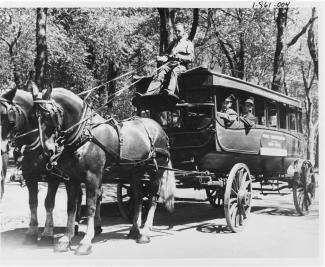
304	189
125	200
238	196
215	196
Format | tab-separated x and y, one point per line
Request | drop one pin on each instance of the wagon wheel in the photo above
238	196
304	189
214	196
125	200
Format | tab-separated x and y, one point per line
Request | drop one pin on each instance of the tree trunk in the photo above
195	23
278	71
312	142
167	22
41	48
113	72
316	165
312	44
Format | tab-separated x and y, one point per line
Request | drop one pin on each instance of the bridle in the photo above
54	112
61	138
16	116
17	119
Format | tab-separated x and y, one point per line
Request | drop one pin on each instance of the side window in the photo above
272	115
170	119
260	111
292	118
282	116
299	121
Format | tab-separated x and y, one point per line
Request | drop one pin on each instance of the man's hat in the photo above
250	101
231	98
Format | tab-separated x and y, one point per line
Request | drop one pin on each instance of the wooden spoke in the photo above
238	197
304	189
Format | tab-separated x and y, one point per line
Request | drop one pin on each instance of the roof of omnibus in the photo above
222	80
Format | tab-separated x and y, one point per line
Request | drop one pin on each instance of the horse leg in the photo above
32	232
64	242
78	212
136	186
153	198
92	192
98	221
47	235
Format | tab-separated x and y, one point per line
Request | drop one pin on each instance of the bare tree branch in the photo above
227	13
5	41
303	30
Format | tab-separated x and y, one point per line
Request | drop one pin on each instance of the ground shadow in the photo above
271	210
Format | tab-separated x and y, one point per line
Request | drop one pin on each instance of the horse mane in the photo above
65	94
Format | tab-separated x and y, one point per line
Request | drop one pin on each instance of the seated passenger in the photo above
179	54
227	113
247	116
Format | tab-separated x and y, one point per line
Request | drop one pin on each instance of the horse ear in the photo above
10	94
47	93
32	87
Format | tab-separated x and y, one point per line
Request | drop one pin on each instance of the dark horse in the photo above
17	124
126	149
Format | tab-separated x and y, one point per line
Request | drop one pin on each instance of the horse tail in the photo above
167	187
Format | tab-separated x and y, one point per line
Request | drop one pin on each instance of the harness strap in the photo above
78	132
107	150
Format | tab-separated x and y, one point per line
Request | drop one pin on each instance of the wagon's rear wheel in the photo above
125	200
304	189
238	196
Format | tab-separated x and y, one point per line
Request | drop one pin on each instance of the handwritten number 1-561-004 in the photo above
265	4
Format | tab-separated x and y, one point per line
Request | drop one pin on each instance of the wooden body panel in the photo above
264	150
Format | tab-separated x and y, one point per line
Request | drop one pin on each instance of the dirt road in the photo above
195	233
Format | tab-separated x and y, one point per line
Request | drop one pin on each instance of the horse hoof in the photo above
98	230
46	241
83	249
30	239
76	230
143	239
62	247
134	234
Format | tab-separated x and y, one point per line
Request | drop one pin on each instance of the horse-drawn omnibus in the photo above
225	159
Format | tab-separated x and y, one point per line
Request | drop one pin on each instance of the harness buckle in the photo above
49	166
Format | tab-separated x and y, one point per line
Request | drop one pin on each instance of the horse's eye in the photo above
47	114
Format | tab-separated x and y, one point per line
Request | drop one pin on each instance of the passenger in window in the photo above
247	116
227	113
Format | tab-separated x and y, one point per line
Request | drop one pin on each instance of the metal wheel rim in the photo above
304	190
238	197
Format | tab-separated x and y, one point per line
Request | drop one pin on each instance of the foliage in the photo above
84	42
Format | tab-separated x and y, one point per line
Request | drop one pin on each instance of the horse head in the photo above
7	112
55	110
15	107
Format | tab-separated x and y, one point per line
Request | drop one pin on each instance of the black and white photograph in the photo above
161	133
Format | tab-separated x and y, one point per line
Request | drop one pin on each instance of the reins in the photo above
111	98
89	91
